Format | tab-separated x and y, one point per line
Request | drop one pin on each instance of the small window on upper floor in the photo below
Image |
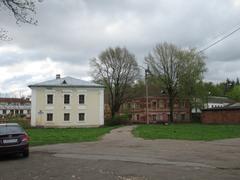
161	103
66	99
154	104
49	99
81	99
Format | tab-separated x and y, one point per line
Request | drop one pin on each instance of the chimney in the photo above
58	76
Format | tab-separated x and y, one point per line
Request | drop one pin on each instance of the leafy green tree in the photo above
177	69
214	89
234	93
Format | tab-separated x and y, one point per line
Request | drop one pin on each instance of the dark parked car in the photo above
13	140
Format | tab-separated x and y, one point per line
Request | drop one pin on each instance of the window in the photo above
81	99
154	117
21	111
137	117
160	117
161	104
154	104
137	106
81	116
176	104
182	104
66	99
66	116
11	129
168	116
49	116
182	117
4	111
49	99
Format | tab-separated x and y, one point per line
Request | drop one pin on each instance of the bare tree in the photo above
177	69
4	35
23	11
115	68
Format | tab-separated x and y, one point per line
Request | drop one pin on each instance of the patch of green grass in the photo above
187	131
65	135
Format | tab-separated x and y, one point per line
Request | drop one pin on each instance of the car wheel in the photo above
25	153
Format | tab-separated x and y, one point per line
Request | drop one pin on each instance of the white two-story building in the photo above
67	102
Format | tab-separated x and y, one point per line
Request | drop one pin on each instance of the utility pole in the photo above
147	71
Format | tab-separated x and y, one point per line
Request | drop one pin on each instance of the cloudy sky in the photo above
71	32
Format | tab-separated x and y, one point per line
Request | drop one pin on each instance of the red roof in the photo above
15	100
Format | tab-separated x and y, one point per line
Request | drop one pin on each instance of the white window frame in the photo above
69	99
64	116
47	116
52	99
85	117
84	99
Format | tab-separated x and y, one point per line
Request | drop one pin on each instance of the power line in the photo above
221	39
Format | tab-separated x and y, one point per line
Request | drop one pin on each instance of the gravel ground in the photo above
121	156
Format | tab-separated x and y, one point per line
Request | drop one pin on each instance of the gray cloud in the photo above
72	32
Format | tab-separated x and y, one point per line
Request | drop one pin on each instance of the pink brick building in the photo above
158	110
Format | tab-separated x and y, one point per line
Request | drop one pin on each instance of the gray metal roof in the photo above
233	105
67	82
219	99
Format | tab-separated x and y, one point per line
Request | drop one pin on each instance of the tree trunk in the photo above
171	101
114	109
112	106
112	113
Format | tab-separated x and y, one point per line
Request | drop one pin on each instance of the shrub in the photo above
23	121
118	120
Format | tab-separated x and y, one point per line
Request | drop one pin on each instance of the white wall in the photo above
93	107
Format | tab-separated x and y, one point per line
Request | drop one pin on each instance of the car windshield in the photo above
12	129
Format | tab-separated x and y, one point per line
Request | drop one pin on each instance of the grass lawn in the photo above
65	135
187	131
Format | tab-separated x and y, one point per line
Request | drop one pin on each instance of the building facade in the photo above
217	101
15	106
67	102
229	114
158	110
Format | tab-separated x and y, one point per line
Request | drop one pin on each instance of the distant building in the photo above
158	110
210	102
229	114
67	102
15	106
217	101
